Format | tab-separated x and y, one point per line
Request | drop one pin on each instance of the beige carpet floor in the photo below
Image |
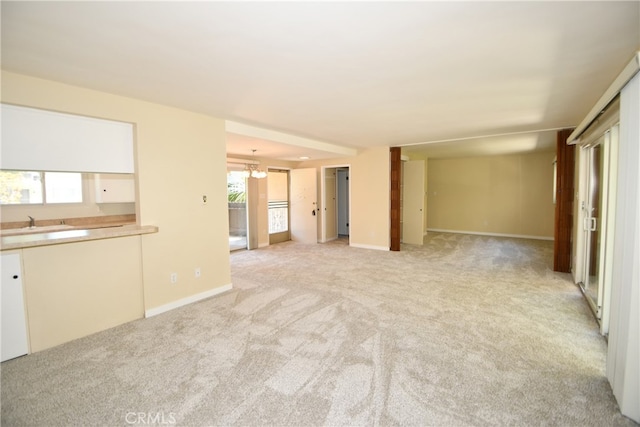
463	331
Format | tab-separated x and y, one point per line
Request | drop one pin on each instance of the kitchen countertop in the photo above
71	234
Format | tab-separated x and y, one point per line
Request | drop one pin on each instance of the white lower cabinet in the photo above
14	324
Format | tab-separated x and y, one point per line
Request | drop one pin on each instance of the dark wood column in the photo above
396	177
565	194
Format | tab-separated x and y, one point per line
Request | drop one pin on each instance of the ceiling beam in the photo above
285	138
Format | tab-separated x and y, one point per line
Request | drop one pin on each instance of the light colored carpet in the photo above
464	331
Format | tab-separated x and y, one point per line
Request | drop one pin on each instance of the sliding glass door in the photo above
237	202
593	227
599	166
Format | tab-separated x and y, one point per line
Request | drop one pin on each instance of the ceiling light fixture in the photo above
252	170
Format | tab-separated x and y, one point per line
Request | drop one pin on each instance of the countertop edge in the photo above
73	236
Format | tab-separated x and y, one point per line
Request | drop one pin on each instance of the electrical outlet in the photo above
174	277
198	273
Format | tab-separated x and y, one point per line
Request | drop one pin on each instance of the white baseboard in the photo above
188	300
478	233
377	248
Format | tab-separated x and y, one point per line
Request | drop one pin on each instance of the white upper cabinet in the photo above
34	139
115	188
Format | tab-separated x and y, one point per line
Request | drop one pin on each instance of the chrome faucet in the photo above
32	222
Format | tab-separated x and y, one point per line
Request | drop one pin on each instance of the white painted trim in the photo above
323	205
360	246
614	89
478	233
493	135
608	257
186	301
234	160
579	234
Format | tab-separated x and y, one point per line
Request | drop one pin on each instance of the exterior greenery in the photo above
236	188
236	196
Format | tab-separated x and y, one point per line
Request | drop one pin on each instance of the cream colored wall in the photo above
180	156
77	289
369	180
510	194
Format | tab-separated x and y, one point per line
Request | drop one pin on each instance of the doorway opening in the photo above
336	195
237	202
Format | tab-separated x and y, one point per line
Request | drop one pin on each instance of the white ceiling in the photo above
344	74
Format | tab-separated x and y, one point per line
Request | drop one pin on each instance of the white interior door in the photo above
413	202
304	213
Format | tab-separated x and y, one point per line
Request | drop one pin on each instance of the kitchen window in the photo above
32	187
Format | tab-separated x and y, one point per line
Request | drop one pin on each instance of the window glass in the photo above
30	187
236	192
63	187
20	188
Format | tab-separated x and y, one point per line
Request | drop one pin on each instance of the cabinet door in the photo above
14	324
115	188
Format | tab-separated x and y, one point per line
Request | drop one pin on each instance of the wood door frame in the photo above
565	189
395	154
